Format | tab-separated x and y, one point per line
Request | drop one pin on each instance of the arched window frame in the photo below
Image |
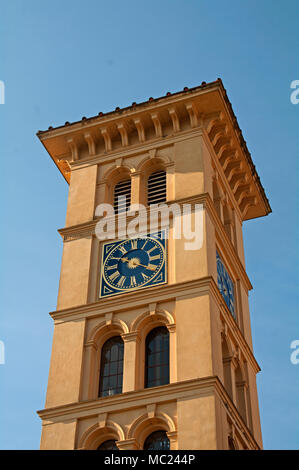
242	393
149	333
142	325
227	364
100	376
149	166
96	337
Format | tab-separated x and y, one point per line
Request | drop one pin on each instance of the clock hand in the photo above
151	268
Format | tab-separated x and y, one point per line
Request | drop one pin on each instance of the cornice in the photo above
131	300
243	184
131	400
126	400
234	123
220	171
135	109
206	106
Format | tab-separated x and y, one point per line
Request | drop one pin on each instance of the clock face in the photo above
225	285
133	264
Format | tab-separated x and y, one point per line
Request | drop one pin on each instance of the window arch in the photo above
122	196
157	357
111	369
156	187
157	440
227	362
108	445
241	393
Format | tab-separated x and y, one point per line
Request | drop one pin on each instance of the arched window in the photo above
111	371
227	361
122	196
158	440
241	393
108	445
156	188
157	357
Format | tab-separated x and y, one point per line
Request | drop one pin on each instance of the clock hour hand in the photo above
135	264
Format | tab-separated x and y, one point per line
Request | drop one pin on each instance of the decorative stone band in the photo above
140	398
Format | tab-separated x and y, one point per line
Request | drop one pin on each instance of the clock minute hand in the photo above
151	268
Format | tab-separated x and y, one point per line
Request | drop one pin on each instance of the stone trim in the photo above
140	398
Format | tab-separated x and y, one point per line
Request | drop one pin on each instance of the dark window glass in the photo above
157	357
156	188
108	445
111	371
158	440
122	196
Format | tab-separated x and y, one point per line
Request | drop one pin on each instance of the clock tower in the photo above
152	344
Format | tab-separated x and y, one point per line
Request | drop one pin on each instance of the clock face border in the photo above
162	237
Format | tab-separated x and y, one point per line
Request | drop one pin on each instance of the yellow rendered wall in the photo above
81	200
66	363
59	436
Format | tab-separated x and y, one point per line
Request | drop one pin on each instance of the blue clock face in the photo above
225	285
133	264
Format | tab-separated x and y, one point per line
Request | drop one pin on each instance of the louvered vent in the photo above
156	188
122	196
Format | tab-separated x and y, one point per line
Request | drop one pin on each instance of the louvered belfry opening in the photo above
156	188
122	196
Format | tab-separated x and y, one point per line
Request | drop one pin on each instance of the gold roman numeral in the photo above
145	277
121	281
144	244
114	275
134	244
112	267
152	258
122	249
133	282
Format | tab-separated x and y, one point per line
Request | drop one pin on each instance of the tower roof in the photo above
206	106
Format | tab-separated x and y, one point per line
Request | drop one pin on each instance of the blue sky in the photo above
62	60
